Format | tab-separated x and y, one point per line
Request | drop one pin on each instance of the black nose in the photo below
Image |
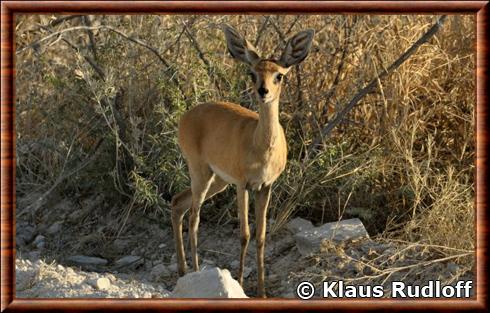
263	91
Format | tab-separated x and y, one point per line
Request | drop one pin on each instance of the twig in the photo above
371	86
57	21
62	19
261	31
196	46
293	23
340	67
63	175
91	61
51	35
200	53
134	40
91	37
392	270
120	33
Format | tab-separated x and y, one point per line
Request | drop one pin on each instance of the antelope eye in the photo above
279	78
252	76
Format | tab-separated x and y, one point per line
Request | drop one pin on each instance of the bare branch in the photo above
90	33
91	61
261	31
116	31
374	83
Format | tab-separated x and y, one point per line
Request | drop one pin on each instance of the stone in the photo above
207	264
19	241
54	228
82	260
246	271
159	270
129	260
112	278
173	258
39	238
235	264
173	268
299	224
102	283
120	245
452	267
34	255
24	234
212	283
309	241
136	251
40	242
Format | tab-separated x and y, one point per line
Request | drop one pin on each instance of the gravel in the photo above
42	280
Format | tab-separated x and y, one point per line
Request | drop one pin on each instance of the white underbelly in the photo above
227	178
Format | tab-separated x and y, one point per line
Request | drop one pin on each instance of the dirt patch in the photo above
140	261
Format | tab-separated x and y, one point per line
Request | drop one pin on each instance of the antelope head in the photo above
267	74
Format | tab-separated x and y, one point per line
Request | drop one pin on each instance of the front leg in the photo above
242	200
261	205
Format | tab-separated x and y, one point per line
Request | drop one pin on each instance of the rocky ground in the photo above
68	251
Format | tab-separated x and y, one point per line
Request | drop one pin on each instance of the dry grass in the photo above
403	161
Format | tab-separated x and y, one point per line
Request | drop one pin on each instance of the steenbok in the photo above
224	143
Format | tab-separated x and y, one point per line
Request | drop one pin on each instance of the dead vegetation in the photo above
98	99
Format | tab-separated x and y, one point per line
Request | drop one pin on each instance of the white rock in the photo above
299	224
212	283
308	241
103	283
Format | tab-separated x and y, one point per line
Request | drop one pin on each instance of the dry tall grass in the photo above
403	160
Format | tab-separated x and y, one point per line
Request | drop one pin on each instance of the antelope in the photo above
224	143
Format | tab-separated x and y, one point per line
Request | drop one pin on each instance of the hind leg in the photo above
181	203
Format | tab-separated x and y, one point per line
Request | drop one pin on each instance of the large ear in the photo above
297	48
240	48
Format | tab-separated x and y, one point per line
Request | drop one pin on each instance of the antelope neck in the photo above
268	128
